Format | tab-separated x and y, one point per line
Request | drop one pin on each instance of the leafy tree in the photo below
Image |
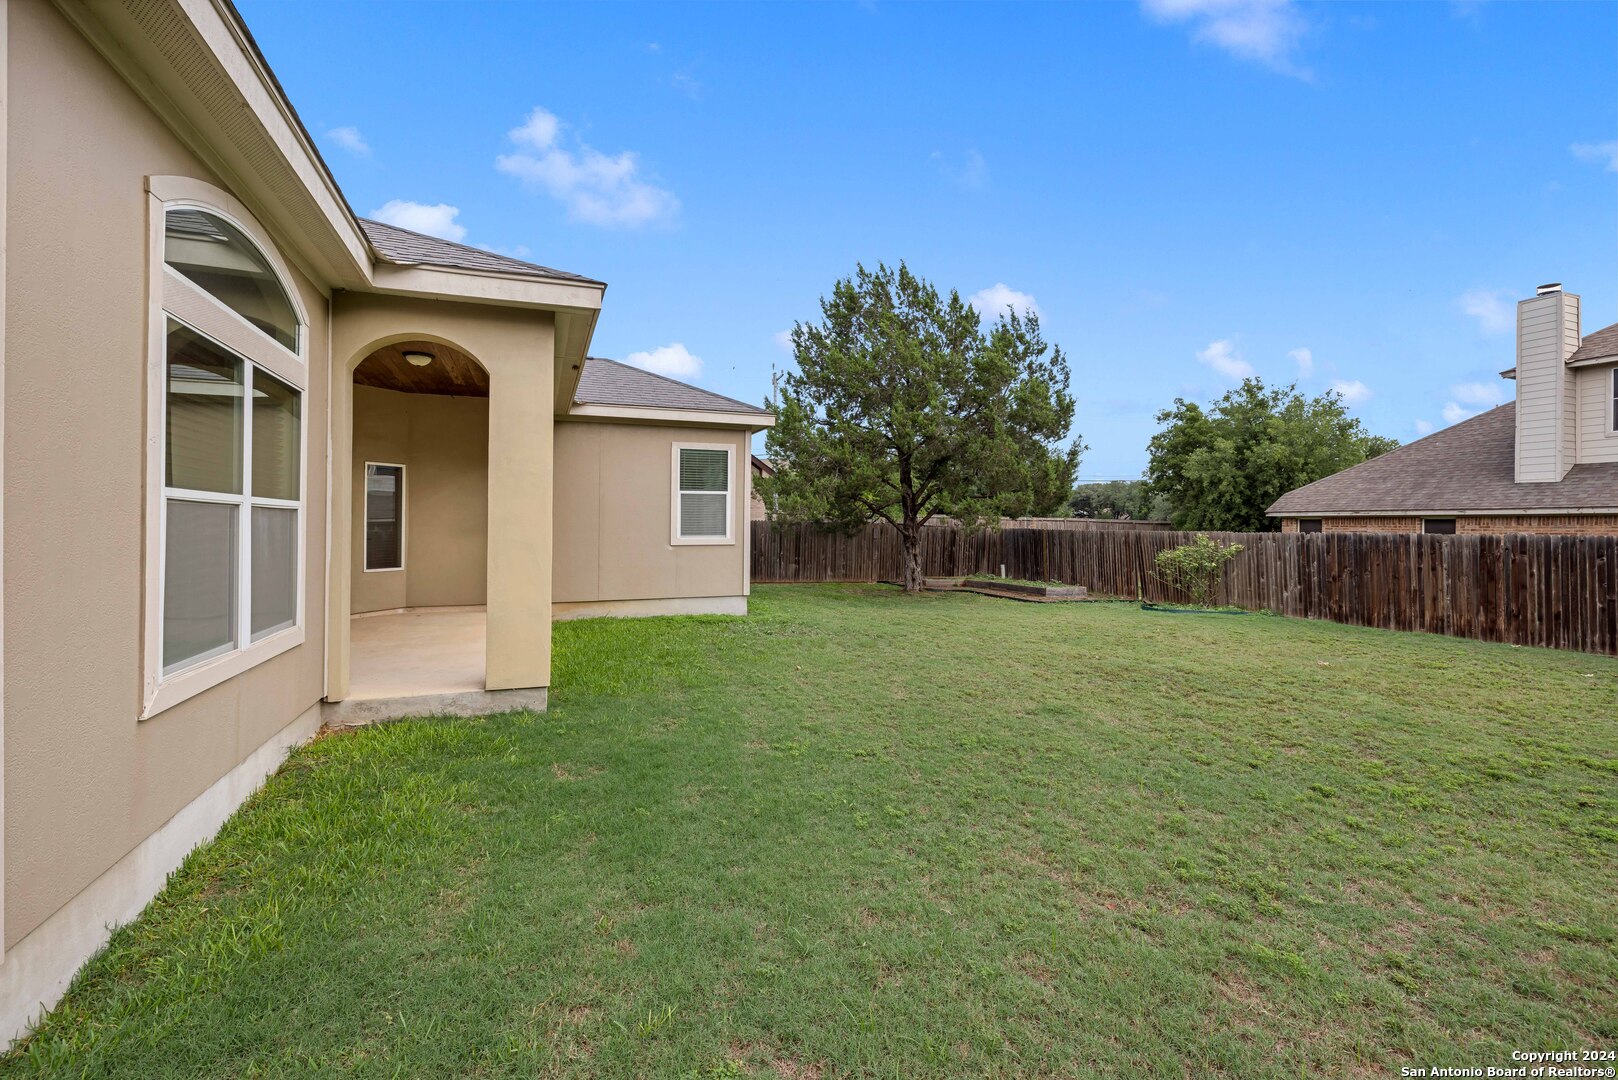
905	406
1132	499
1220	468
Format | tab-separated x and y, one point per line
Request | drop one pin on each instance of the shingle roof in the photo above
1465	468
607	382
1597	346
406	248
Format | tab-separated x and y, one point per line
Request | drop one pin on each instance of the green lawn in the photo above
860	834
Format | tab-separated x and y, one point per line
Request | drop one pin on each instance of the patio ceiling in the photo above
451	372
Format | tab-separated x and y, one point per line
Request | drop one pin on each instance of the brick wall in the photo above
1578	524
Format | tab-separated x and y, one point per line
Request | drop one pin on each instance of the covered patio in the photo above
441	518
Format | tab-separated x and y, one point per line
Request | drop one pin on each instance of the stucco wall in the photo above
1587	524
614	499
443	443
86	780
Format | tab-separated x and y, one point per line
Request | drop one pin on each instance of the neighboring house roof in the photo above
406	248
607	382
1597	346
1468	468
762	467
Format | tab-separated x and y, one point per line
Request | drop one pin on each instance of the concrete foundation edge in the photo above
634	609
360	712
37	970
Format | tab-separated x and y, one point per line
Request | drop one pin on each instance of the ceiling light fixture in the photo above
419	359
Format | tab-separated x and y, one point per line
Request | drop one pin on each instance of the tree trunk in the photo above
910	538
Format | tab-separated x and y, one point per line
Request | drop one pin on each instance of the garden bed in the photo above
1010	587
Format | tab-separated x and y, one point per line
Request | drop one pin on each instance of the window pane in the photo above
220	259
199	583
275	437
704	470
275	570
384	519
204	438
702	514
1438	526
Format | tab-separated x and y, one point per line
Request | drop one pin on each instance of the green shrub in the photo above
1196	568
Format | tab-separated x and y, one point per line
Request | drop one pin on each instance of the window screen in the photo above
1438	526
704	493
1308	524
384	517
275	571
213	522
199	582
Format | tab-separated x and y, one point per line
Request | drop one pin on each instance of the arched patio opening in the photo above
419	521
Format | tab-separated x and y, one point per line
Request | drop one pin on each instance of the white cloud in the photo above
1601	153
1479	393
1423	428
1492	308
1353	391
1223	358
1469	399
519	252
350	139
596	188
1306	361
972	173
991	303
1454	412
686	85
783	340
436	220
674	360
1266	32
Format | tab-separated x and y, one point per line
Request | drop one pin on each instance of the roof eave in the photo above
1533	511
1591	361
752	421
139	41
484	287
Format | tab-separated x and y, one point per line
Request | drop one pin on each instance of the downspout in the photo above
325	580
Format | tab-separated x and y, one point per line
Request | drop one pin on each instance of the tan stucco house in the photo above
268	465
1544	463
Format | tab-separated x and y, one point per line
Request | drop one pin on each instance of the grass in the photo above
860	834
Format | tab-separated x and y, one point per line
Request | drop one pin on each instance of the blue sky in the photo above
1187	190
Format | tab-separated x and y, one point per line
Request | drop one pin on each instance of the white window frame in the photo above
675	537
365	518
1612	404
174	297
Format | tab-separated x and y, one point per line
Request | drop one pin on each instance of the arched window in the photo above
216	255
225	572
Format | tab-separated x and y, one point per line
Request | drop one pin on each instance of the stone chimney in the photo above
1547	334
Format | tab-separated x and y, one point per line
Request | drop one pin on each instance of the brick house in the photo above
1544	463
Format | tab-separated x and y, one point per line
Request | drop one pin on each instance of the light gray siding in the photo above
1547	333
1596	439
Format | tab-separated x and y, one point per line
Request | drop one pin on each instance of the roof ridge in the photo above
676	382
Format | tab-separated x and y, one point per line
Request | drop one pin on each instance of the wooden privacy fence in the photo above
1556	591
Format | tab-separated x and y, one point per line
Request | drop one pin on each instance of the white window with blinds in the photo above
225	531
704	494
384	516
